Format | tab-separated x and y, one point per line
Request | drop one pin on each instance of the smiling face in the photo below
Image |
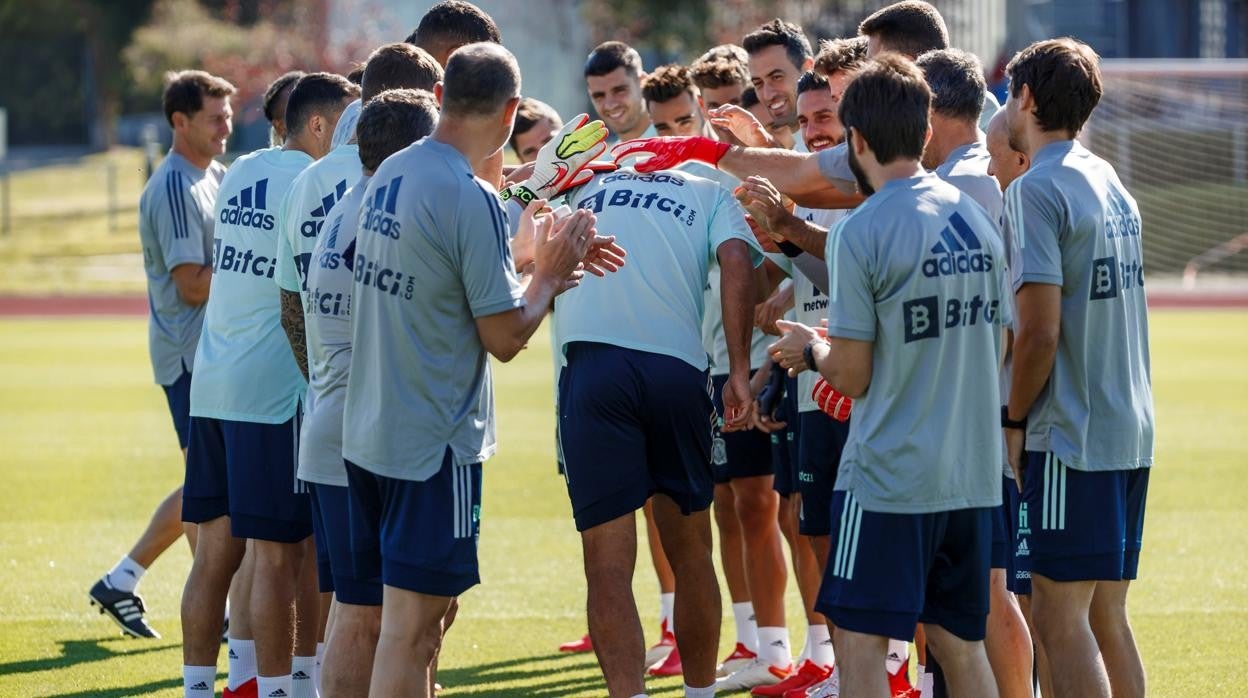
206	132
817	118
779	131
617	99
775	80
531	141
679	116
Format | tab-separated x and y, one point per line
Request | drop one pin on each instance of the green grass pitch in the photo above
86	451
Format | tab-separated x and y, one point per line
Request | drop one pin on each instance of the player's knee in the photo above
278	557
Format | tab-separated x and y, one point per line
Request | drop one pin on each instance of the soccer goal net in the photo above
1177	133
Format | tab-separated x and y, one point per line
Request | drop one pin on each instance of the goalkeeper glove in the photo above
772	394
560	163
831	401
667	152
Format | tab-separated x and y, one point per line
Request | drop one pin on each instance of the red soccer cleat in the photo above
582	645
807	675
662	648
741	655
899	684
247	689
670	666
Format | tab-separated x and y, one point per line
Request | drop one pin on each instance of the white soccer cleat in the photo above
740	657
828	688
756	673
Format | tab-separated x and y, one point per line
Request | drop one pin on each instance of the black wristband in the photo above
789	249
808	354
1007	423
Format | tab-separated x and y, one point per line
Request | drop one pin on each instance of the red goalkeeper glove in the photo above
669	151
831	401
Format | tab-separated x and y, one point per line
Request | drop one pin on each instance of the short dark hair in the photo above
725	52
1064	77
718	72
399	66
278	94
610	55
480	79
778	32
356	75
317	93
840	54
451	24
668	82
887	104
393	120
185	92
749	98
811	80
957	81
529	114
910	27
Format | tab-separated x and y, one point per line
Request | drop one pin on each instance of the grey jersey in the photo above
175	227
327	318
917	270
1069	222
967	169
432	255
344	130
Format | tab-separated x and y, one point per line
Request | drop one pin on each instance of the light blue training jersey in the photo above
305	209
967	169
1069	222
344	130
175	228
432	256
244	368
671	223
917	270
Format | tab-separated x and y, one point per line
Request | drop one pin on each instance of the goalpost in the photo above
1176	130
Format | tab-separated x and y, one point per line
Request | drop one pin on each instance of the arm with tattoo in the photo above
292	323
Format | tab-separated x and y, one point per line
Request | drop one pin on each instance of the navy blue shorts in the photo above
1084	525
784	442
417	535
1002	541
1018	557
335	564
820	445
887	572
736	454
178	396
633	424
246	471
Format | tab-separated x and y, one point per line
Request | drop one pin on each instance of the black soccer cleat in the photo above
125	608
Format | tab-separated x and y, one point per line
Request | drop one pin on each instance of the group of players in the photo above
843	296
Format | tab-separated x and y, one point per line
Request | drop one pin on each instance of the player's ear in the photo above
808	65
509	111
437	92
927	138
179	120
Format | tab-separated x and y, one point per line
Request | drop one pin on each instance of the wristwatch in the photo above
1007	423
808	354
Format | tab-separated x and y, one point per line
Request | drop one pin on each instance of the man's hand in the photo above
765	203
738	403
669	151
1014	440
742	125
831	401
769	311
788	351
533	223
559	163
557	256
604	256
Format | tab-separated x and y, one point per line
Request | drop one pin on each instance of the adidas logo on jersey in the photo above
247	207
958	251
379	213
312	227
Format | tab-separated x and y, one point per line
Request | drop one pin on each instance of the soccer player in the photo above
613	74
744	500
720	81
1079	421
536	123
895	341
636	392
779	53
780	136
388	123
435	285
175	229
240	481
274	105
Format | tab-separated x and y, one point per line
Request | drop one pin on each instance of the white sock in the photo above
302	670
819	642
691	692
927	685
242	662
320	657
773	647
667	606
898	652
747	629
126	574
273	686
198	681
639	695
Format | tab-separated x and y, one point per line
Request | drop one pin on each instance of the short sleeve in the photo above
1032	231
483	255
286	274
834	165
851	302
178	222
728	223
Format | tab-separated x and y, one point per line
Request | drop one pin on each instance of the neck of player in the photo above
900	168
947	136
475	138
1037	139
181	147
